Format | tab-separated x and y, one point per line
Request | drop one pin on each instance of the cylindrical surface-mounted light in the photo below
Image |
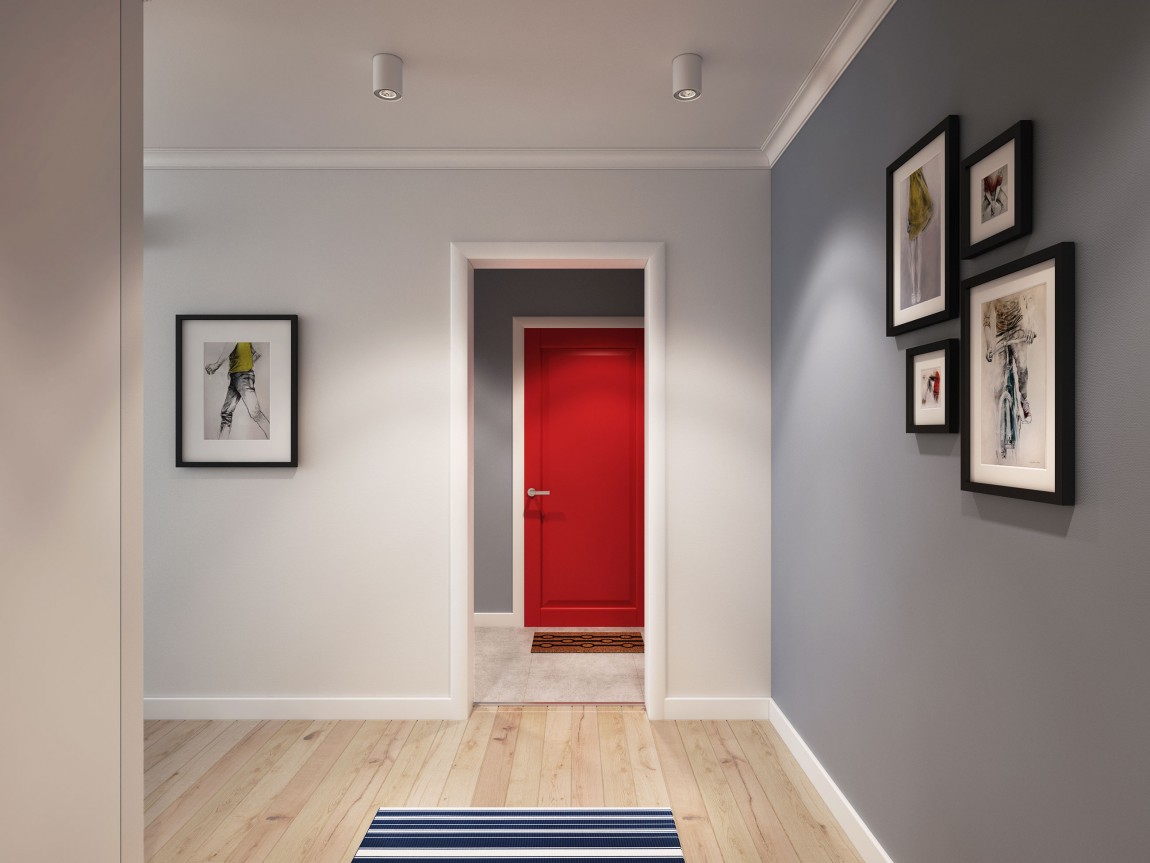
687	77
387	77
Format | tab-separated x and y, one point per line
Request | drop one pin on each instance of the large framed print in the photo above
1018	378
932	388
236	390
921	232
998	191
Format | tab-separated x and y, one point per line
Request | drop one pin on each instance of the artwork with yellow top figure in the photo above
920	243
224	393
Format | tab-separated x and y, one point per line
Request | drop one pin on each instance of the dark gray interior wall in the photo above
972	670
501	295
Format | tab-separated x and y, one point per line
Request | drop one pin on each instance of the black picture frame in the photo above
256	423
1003	171
921	231
932	376
1018	378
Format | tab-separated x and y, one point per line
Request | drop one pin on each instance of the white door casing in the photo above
465	259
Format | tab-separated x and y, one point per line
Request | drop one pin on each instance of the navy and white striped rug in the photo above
522	835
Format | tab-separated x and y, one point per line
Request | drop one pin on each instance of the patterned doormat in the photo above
522	835
587	642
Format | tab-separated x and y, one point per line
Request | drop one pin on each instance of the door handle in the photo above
533	493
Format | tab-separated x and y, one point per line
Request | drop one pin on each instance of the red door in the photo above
583	448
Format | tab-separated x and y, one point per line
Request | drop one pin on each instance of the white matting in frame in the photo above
922	232
236	390
932	385
1011	328
998	191
991	182
924	256
1018	378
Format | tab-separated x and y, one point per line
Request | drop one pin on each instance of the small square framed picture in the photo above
998	191
1018	378
922	232
236	390
932	388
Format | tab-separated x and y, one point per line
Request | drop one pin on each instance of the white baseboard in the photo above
854	827
715	708
498	618
302	708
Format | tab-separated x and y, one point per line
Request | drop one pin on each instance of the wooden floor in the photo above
306	791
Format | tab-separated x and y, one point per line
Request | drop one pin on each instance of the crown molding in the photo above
848	40
856	28
454	159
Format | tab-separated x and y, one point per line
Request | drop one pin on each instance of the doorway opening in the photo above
606	596
467	258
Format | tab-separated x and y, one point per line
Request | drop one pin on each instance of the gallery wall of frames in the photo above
1007	384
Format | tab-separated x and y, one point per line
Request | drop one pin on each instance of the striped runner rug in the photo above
522	835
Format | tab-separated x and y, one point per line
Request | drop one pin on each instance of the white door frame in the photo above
465	259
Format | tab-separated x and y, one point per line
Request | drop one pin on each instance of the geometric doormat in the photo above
587	642
522	835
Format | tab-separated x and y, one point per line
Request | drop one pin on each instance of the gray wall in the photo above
501	295
972	670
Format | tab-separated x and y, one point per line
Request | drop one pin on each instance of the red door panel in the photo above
583	443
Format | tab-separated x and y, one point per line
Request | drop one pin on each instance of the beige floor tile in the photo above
507	671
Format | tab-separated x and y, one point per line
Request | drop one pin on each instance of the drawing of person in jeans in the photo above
241	358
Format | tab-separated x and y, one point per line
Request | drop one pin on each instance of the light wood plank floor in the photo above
306	791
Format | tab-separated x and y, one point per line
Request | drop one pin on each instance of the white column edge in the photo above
655	494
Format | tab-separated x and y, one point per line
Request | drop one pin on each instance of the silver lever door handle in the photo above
532	492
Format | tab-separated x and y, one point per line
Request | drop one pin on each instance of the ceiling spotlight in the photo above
387	77
687	77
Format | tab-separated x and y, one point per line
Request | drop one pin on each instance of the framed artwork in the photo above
998	191
932	388
236	390
1018	378
921	222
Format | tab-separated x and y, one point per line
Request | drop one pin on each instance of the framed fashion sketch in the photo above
998	191
932	388
236	390
921	232
1018	378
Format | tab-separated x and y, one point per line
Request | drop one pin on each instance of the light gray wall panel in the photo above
971	670
68	165
337	584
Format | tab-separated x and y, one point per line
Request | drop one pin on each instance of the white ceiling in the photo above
482	74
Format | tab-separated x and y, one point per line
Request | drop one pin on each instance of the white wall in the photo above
64	262
331	581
